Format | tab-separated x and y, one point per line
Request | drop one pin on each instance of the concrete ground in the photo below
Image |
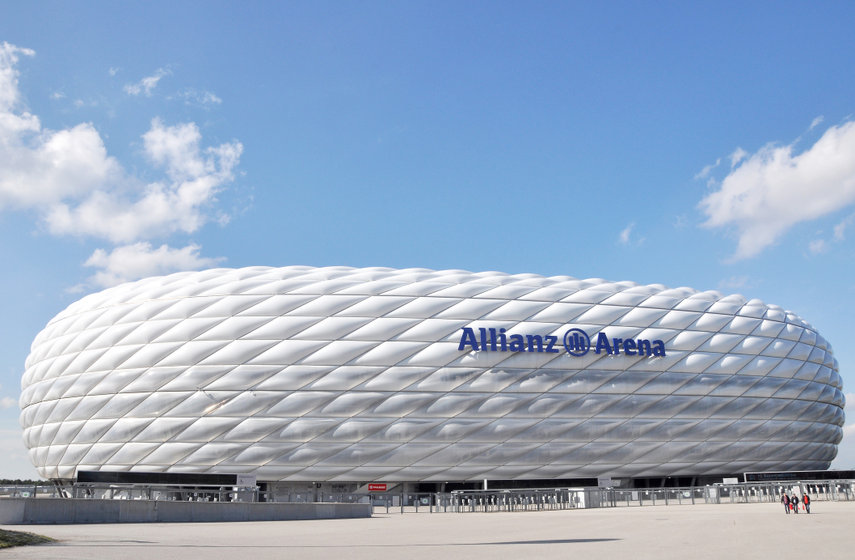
755	531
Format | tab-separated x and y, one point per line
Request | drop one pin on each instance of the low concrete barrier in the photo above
21	511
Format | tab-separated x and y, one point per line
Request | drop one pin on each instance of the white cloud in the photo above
733	283
626	236
8	402
75	188
681	221
76	289
79	190
770	191
623	238
201	98
113	71
816	122
162	208
147	84
39	166
9	94
132	262
840	229
737	157
818	246
81	103
707	170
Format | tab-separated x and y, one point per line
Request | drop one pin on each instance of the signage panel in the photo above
245	480
576	342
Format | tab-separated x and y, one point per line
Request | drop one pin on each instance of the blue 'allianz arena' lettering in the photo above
576	342
630	347
496	340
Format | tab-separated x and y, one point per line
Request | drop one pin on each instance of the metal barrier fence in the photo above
29	491
573	498
107	491
469	501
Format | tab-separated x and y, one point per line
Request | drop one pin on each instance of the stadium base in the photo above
25	511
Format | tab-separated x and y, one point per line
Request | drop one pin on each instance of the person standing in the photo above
786	501
795	502
806	500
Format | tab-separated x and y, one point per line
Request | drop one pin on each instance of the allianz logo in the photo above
576	342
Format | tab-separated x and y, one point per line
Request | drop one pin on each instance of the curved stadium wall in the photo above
343	374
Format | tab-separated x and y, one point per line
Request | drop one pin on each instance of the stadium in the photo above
344	377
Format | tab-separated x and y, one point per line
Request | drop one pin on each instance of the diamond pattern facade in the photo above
343	374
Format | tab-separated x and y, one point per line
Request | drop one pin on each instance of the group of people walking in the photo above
791	504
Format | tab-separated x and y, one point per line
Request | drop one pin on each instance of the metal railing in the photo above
471	501
468	501
108	491
486	501
29	491
171	492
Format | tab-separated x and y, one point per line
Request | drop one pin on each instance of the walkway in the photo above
714	532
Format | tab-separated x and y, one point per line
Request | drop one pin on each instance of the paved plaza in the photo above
755	531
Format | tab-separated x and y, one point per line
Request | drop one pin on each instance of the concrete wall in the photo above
15	511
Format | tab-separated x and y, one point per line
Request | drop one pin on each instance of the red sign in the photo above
376	487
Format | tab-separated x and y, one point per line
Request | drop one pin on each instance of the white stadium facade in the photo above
347	376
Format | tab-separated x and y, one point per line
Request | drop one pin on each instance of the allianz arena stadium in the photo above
346	376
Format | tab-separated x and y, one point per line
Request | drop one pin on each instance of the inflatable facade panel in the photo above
343	374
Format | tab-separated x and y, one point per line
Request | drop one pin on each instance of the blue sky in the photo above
709	145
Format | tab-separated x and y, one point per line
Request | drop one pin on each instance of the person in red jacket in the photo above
806	500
